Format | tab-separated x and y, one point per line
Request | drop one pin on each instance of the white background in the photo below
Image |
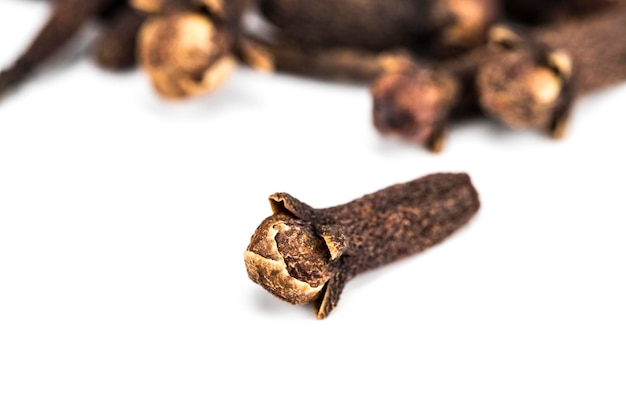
123	220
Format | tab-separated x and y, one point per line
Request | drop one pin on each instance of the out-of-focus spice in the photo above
436	27
535	79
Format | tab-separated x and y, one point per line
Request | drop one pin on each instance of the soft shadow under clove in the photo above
269	305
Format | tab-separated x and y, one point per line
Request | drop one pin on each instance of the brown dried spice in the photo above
189	48
185	54
417	105
535	79
306	255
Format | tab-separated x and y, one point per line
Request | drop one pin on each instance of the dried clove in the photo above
184	54
437	27
417	105
66	19
535	79
306	255
191	52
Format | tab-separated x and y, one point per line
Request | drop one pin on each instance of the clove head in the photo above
525	85
185	54
413	105
289	259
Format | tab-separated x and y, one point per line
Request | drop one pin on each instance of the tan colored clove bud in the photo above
185	54
518	91
288	259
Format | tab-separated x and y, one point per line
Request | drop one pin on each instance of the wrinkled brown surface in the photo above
401	220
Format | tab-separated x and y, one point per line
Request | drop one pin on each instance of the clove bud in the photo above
417	105
533	82
306	255
190	47
185	54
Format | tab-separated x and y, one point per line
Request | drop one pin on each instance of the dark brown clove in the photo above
416	106
165	6
306	255
535	79
185	54
116	47
437	27
189	48
66	19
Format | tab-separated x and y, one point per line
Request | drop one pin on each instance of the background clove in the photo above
435	27
534	80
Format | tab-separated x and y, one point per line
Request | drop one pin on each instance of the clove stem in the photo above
416	106
66	19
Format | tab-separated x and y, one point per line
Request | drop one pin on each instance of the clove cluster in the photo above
522	63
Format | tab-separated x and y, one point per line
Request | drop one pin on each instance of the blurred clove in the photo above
437	27
533	82
417	105
185	54
189	48
306	255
